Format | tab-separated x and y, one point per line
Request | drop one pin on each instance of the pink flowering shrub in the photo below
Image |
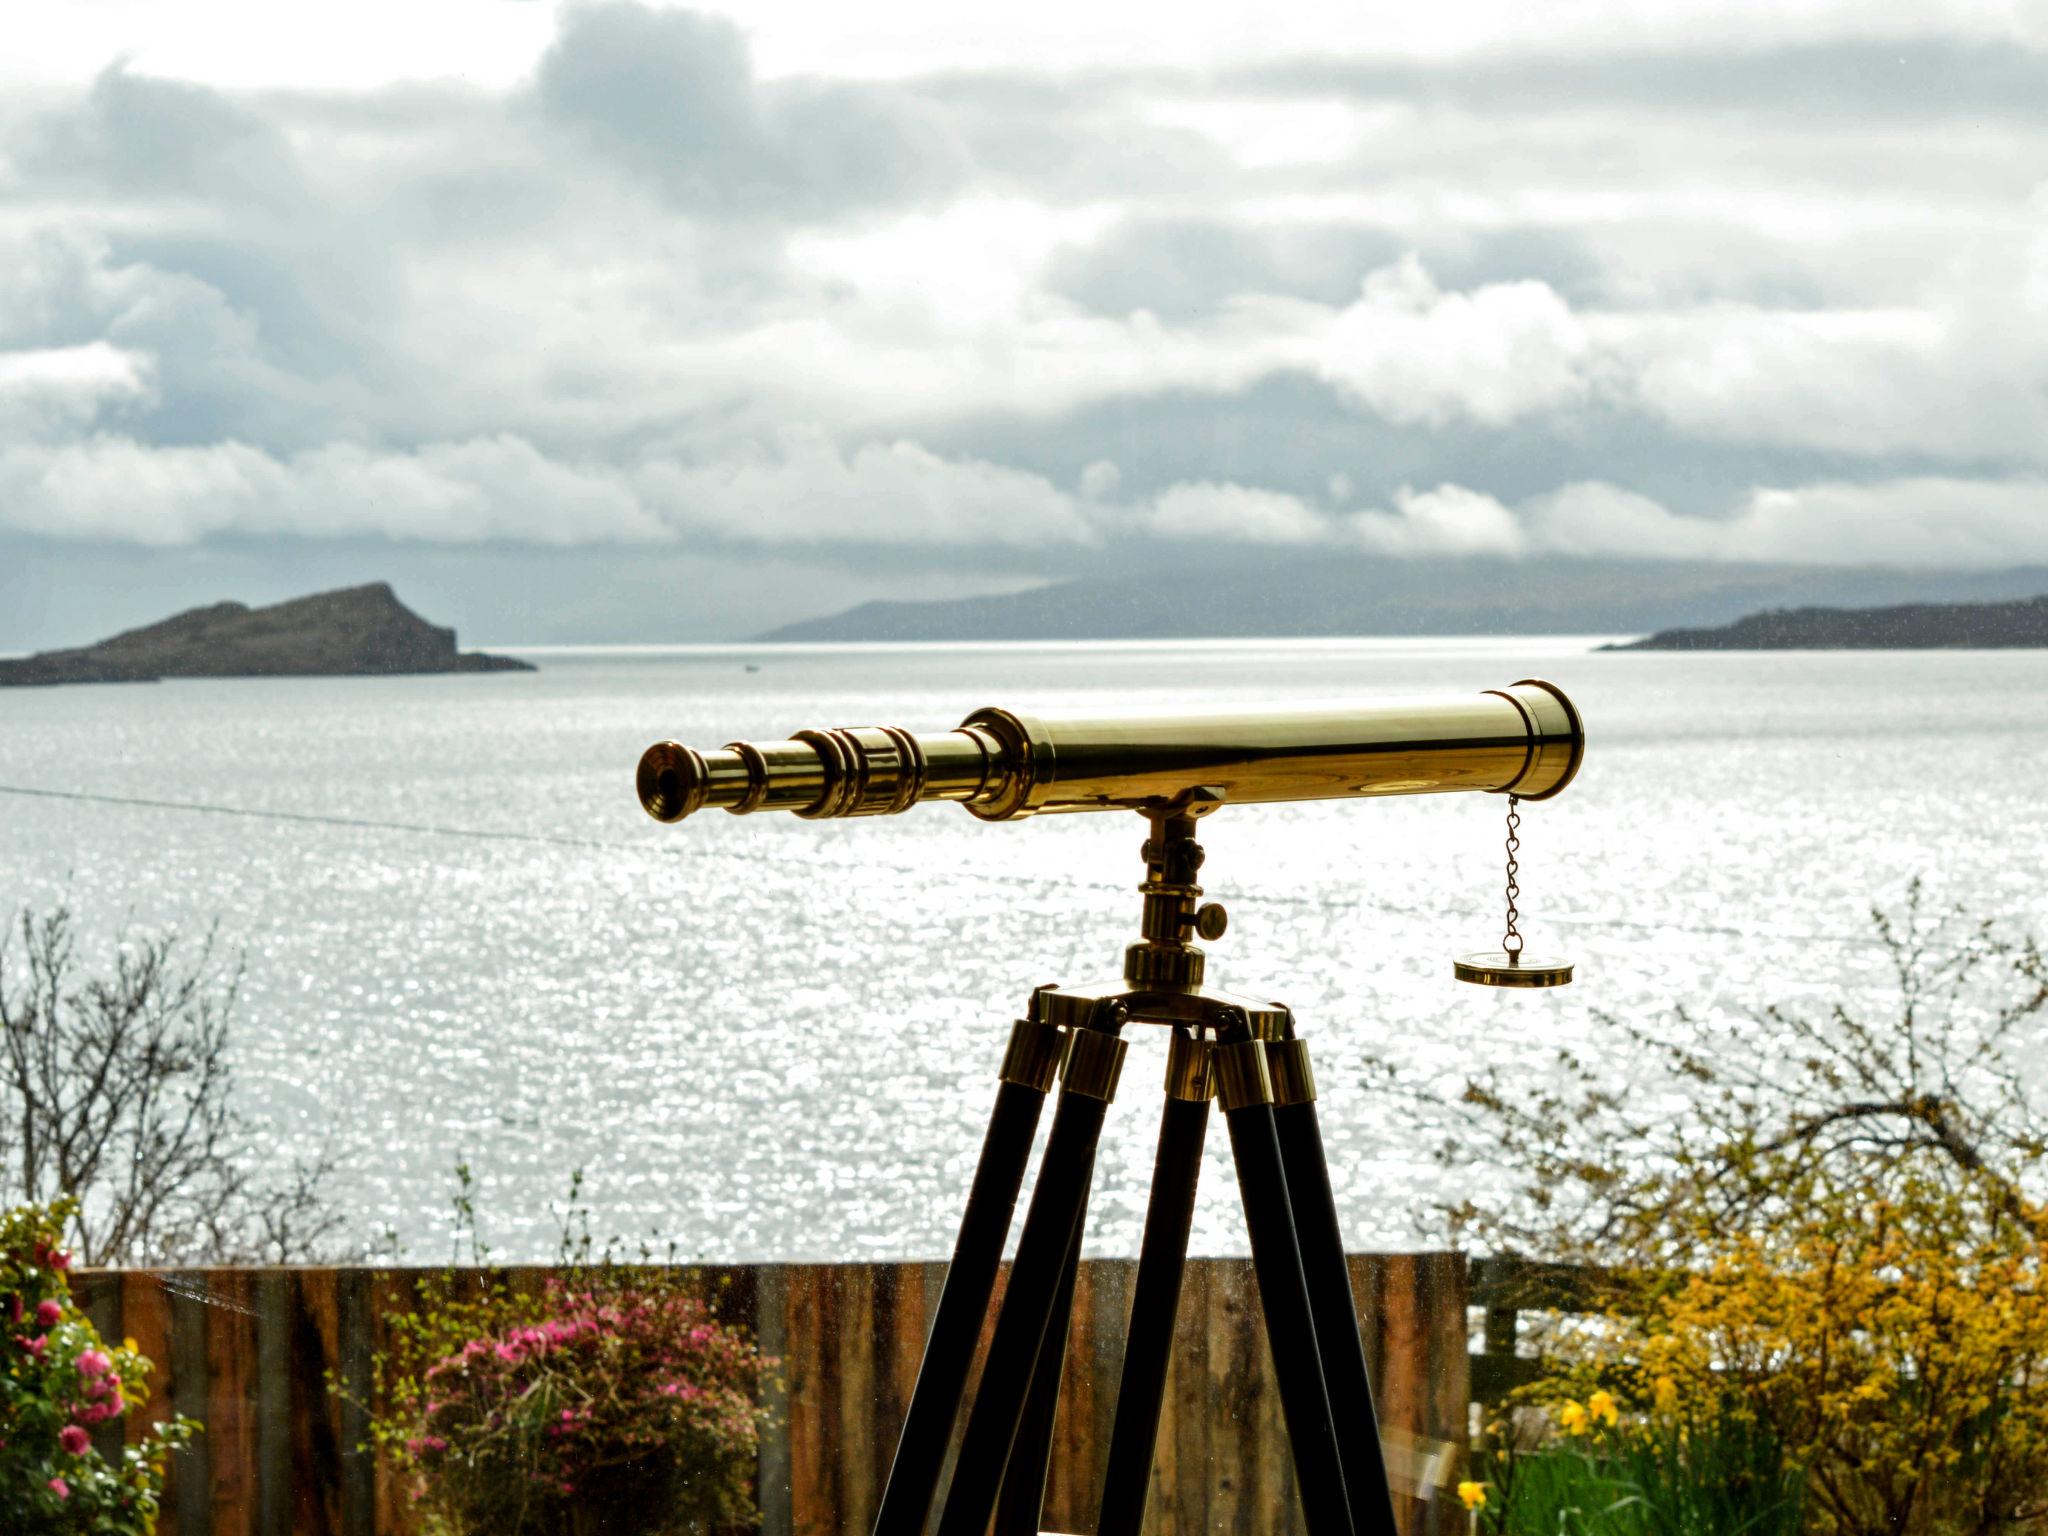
614	1401
58	1382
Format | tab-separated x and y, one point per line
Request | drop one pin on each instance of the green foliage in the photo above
59	1382
611	1400
1712	1472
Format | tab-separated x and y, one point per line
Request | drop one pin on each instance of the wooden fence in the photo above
248	1352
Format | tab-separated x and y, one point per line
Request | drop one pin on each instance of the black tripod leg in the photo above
1022	1500
1247	1095
1331	1303
970	1280
1035	1275
1155	1298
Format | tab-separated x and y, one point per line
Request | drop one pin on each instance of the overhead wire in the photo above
993	876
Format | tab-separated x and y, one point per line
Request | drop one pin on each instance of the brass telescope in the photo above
1240	1052
1525	740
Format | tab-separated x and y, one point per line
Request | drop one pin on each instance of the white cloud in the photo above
1101	480
504	488
1941	379
893	494
1941	523
1412	353
253	43
1265	132
974	262
60	389
1860	382
923	358
534	308
1234	514
1918	521
805	492
108	487
1450	520
1590	517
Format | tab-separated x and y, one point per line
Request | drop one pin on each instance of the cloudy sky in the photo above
633	321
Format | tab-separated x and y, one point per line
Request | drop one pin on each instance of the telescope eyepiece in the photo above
671	780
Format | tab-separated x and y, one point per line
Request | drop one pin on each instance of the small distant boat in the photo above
752	668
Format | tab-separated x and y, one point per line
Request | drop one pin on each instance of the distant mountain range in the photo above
354	631
1908	626
1359	595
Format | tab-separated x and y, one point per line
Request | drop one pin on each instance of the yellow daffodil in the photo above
1573	1417
1472	1495
1600	1406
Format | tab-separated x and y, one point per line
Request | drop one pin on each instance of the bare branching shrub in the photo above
117	1089
1623	1165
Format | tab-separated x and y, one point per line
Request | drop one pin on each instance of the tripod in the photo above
1235	1049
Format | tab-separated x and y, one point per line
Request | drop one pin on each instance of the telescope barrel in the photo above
1526	739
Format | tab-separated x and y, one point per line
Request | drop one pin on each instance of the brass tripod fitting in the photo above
1034	1054
1242	1076
1167	960
1095	1060
1190	1068
1287	1063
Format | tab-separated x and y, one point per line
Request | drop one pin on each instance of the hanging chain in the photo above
1512	940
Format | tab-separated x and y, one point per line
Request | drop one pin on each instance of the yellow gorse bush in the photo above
1901	1345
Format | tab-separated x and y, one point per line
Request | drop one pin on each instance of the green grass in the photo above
1723	1478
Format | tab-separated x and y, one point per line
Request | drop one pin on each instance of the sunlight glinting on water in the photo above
771	1038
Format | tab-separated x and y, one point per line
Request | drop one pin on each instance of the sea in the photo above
461	941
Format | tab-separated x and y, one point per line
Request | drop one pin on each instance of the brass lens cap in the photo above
1498	968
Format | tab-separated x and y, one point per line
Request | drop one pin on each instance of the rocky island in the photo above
357	631
1907	627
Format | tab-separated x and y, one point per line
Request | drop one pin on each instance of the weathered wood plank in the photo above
314	1437
353	1346
232	1351
858	1377
98	1294
1440	1307
1279	1498
901	1307
392	1293
146	1318
188	1491
1243	1450
271	1396
1403	1388
1183	1464
814	1374
771	1334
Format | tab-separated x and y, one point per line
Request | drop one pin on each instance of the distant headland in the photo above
1331	593
354	632
1907	627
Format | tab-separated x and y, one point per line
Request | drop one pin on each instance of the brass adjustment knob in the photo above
1211	920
